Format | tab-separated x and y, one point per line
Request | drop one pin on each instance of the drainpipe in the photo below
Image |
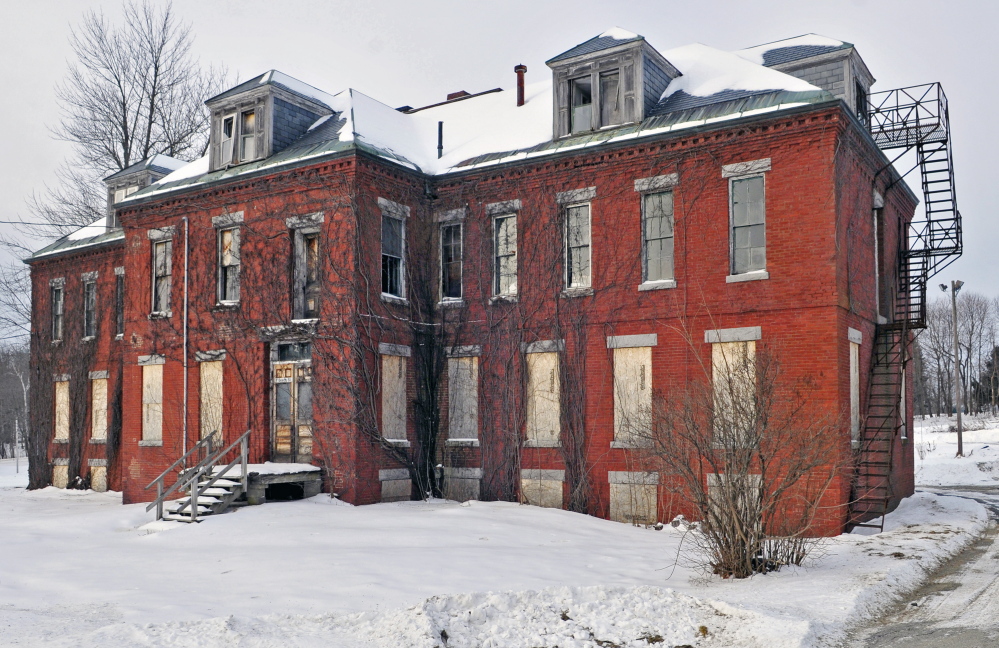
187	253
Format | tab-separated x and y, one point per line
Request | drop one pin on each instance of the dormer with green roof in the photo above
612	79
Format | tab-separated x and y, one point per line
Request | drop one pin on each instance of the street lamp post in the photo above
955	287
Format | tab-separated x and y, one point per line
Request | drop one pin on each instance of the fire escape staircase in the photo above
209	487
902	120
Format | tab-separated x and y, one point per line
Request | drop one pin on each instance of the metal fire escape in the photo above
902	120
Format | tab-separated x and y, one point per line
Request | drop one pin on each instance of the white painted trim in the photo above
745	168
503	207
391	208
744	334
854	336
632	341
538	474
228	219
543	346
754	275
393	474
153	359
384	348
655	183
576	195
633	478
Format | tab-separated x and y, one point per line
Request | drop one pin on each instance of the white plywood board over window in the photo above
632	395
152	402
544	418
62	410
211	400
99	408
463	398
394	397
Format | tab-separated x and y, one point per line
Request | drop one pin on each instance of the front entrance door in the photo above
291	369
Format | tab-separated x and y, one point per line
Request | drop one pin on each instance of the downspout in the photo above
187	253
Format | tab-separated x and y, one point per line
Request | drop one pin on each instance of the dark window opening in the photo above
580	105
610	99
90	309
58	305
119	305
451	261
291	351
392	246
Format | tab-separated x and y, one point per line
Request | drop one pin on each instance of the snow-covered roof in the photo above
92	235
610	38
281	80
490	128
158	163
792	49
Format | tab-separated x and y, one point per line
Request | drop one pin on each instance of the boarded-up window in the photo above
60	476
544	419
152	403
632	395
733	367
393	397
62	410
735	500
99	478
854	391
211	401
634	497
99	408
463	398
542	487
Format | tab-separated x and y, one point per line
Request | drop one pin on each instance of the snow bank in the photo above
935	443
707	71
14	473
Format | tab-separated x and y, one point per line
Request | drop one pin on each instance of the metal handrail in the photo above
192	477
161	495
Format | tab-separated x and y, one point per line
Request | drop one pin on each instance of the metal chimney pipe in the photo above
520	70
440	140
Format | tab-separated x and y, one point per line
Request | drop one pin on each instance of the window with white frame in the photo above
162	275
451	261
393	236
748	238
657	234
229	261
89	308
505	251
58	305
577	261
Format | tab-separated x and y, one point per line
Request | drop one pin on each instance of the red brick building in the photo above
490	297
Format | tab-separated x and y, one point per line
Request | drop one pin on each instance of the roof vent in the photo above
456	95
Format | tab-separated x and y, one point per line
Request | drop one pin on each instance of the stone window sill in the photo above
451	303
629	445
393	299
120	336
60	440
756	275
657	285
503	299
98	441
399	443
226	305
463	443
534	443
151	443
56	342
88	338
160	315
580	291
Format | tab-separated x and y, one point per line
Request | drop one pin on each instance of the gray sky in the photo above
413	52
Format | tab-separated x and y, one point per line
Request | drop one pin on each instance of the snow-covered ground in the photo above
935	442
79	569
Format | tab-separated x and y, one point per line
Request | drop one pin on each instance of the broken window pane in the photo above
581	105
248	131
229	265
305	401
451	261
282	406
610	99
748	225
226	143
90	309
578	249
162	262
506	255
392	235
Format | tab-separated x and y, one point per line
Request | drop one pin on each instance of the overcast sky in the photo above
415	52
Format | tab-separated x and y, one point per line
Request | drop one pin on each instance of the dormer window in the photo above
228	131
610	98
248	136
124	192
612	79
582	105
